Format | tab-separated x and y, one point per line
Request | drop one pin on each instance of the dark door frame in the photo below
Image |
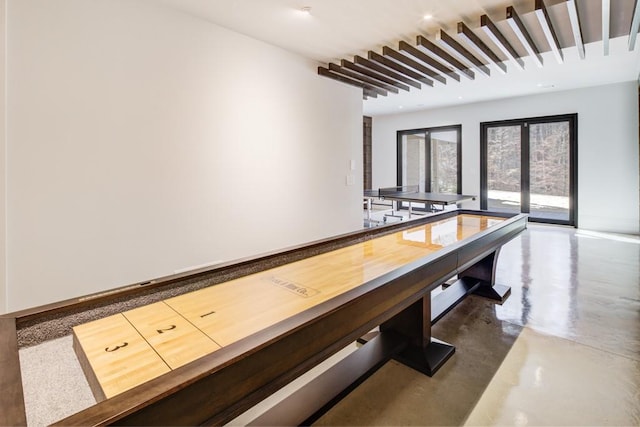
525	166
427	132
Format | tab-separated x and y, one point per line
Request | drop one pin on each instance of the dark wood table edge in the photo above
11	398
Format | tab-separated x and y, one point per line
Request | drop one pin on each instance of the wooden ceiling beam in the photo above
501	41
574	18
398	80
480	47
369	93
523	35
394	54
449	42
421	56
330	74
635	23
547	29
364	66
443	55
373	56
369	83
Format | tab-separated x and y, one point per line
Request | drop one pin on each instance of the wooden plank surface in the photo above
118	355
175	340
233	310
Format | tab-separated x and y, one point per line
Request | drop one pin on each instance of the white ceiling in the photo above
337	29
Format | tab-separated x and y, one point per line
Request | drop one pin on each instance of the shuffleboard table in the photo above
204	346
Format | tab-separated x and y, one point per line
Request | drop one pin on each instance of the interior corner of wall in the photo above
4	290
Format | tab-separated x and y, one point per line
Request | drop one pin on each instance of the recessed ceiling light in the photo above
459	97
400	107
427	17
306	10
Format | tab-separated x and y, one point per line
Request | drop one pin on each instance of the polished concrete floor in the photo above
564	348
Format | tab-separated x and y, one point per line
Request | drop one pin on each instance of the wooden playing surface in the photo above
122	351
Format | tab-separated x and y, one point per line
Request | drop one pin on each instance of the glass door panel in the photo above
413	160
444	162
549	177
414	163
504	147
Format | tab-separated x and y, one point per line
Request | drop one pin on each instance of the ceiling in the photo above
337	30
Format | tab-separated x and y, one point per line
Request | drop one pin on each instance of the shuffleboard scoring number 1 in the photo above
118	347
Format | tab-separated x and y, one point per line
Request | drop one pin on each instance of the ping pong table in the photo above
410	194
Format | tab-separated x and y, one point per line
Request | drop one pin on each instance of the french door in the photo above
431	159
530	166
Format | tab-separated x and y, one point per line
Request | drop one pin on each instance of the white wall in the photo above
142	141
3	146
607	146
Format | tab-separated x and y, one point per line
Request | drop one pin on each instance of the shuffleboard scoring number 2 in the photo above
124	344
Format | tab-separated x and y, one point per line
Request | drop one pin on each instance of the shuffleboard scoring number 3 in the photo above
118	347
